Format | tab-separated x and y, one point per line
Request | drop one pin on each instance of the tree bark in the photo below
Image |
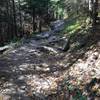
40	24
14	17
20	15
34	24
8	21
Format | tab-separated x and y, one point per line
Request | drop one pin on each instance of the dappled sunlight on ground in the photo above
37	69
29	69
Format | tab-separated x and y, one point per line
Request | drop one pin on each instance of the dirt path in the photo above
27	69
32	68
36	69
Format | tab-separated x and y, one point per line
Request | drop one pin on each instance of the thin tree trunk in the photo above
20	15
40	24
1	35
34	24
14	18
8	21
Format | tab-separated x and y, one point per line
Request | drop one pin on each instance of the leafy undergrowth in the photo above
82	77
84	74
71	27
76	25
74	92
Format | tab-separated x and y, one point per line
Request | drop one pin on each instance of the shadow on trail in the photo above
25	62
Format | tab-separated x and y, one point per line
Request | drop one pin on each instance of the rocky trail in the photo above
31	67
35	69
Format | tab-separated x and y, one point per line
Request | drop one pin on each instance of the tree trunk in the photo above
14	17
34	24
40	24
20	15
8	21
1	35
93	6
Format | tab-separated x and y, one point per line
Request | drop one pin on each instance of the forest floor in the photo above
39	69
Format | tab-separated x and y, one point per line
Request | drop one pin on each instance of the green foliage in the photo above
38	5
77	93
71	26
79	96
